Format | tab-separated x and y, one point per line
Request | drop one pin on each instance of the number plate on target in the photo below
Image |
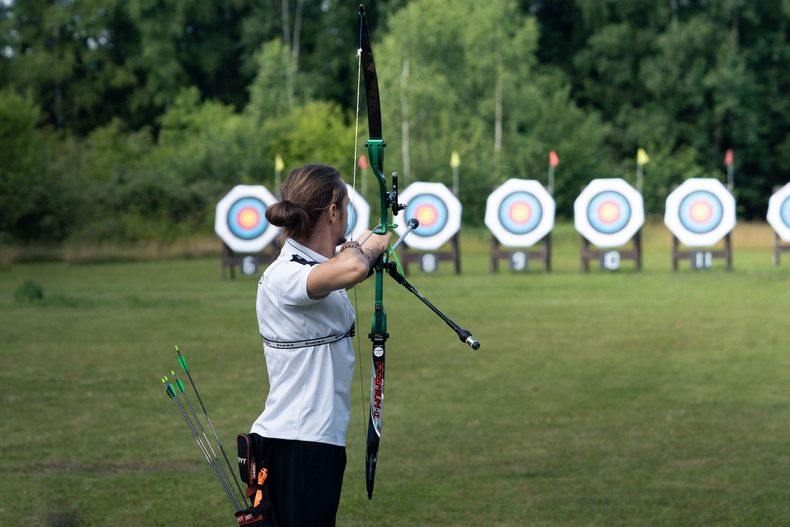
519	261
610	261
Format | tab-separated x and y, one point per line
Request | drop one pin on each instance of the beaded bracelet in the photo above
355	245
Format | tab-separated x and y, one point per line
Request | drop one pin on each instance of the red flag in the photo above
363	162
728	157
554	159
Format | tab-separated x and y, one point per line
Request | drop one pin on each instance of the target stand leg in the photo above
779	248
228	263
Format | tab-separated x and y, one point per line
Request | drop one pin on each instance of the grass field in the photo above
652	398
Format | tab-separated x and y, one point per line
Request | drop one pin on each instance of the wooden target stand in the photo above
248	263
519	260
779	248
429	260
702	259
610	260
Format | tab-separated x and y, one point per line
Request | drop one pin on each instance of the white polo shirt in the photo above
309	396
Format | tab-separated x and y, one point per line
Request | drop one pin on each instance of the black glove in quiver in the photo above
253	470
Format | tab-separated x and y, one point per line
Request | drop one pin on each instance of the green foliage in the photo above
272	92
124	121
34	204
687	80
421	61
18	150
29	292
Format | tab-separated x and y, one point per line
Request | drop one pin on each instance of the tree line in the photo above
128	120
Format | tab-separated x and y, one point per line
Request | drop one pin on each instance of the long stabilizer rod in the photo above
463	334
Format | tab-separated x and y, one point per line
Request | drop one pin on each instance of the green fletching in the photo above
169	388
183	362
178	381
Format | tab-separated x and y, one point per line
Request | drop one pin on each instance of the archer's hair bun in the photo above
286	214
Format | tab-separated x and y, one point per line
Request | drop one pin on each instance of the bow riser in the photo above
378	332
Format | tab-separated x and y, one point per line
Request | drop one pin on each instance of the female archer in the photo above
307	321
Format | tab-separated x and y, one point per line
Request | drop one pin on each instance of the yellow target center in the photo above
426	215
521	212
609	212
700	211
248	218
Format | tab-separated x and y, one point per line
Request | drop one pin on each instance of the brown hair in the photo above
307	193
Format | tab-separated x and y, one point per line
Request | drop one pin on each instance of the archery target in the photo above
358	214
700	212
609	212
246	218
779	212
240	219
520	212
436	208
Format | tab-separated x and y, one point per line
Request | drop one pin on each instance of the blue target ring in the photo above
700	212
520	212
609	212
784	211
430	211
246	218
352	219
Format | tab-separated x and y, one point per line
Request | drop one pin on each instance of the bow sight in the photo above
392	197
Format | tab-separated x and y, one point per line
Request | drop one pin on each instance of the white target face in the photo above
608	212
779	212
240	219
700	212
520	212
358	214
436	208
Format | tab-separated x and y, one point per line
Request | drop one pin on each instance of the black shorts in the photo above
304	482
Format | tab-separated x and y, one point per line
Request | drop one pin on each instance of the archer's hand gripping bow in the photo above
389	207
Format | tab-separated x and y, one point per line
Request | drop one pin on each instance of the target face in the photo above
358	214
609	212
246	218
436	208
520	212
700	212
779	212
240	219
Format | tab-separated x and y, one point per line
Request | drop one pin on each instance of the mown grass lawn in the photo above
652	398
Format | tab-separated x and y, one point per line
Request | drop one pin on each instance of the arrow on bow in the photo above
389	207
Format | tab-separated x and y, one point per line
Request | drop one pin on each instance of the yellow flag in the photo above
455	159
641	157
278	163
